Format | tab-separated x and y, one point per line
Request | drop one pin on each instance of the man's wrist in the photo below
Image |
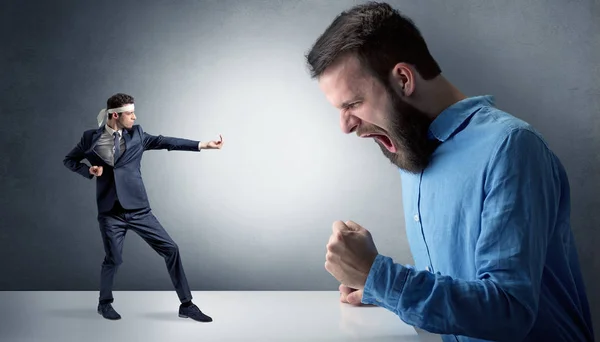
372	275
384	283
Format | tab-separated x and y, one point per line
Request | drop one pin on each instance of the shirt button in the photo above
416	217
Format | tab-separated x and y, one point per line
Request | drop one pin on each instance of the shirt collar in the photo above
111	131
454	118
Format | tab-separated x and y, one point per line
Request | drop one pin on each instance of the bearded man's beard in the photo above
409	132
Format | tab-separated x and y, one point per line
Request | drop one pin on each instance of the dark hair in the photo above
118	100
379	36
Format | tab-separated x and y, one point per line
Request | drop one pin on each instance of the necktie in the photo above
117	147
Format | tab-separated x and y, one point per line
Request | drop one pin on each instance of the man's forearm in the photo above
73	162
443	305
160	142
78	167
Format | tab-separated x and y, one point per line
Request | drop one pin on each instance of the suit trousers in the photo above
113	228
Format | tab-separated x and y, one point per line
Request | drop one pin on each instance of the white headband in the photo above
102	116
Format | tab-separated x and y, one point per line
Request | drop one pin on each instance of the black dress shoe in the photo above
107	311
194	313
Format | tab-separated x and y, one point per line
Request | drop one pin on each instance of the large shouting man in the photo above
114	151
485	199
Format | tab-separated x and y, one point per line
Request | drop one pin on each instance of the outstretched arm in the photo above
502	303
159	142
73	160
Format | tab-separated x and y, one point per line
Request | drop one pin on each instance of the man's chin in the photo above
394	157
401	160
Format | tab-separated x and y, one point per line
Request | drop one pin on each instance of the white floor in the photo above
237	316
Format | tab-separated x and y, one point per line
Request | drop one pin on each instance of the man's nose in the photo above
349	123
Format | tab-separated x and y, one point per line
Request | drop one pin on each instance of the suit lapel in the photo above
95	137
127	137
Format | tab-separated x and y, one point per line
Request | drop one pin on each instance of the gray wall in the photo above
257	215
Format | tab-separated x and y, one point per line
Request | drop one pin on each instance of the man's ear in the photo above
403	79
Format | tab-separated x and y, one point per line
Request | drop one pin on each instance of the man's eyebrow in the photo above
347	103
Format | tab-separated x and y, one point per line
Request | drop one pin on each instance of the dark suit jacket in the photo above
123	182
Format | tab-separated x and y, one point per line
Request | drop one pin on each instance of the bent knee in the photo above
172	248
112	261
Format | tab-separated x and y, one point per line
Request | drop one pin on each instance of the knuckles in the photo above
334	241
329	256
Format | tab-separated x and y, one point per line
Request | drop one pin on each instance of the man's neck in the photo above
440	94
113	125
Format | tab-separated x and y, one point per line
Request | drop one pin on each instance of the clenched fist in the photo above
350	254
96	171
213	144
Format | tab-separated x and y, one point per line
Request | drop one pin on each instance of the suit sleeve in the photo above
502	302
73	160
159	142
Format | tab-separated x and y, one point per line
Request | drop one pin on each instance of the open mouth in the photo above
382	140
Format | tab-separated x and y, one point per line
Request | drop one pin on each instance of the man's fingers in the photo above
331	240
339	226
345	227
353	225
350	296
96	170
345	289
355	298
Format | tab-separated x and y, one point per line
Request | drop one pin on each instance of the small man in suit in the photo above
115	152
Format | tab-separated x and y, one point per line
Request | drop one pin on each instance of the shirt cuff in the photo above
385	283
199	146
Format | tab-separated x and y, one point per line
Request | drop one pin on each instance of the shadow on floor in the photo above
163	316
90	313
395	338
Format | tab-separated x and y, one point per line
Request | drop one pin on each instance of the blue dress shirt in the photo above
488	226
